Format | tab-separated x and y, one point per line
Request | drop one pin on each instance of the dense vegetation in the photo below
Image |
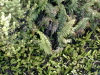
49	37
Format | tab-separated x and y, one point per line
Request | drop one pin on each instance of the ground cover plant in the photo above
49	37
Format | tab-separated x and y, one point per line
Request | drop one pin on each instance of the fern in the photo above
51	11
65	31
81	24
68	29
39	6
93	13
44	43
73	6
62	16
58	1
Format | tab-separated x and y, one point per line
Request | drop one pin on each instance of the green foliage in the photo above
82	24
68	29
51	10
44	43
45	37
62	16
80	57
37	7
9	22
65	31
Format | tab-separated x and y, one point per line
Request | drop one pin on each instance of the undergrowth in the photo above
49	37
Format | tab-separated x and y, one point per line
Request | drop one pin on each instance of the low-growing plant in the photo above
49	37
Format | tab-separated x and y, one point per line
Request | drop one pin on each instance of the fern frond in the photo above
89	4
51	10
94	13
62	16
65	31
81	24
58	1
44	43
73	6
37	8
